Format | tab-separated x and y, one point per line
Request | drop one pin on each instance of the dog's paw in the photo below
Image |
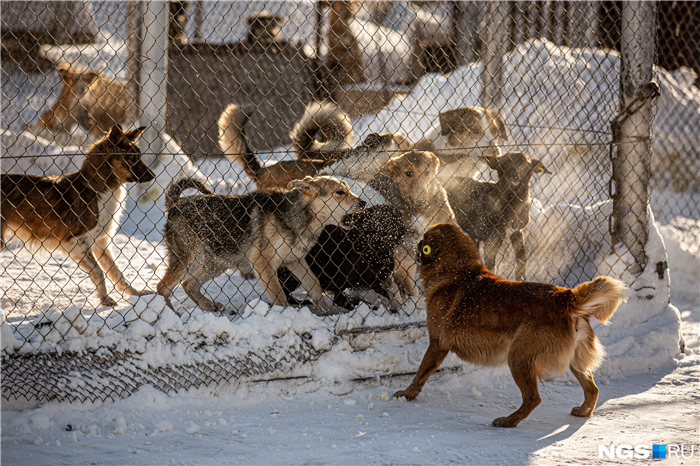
108	302
134	292
582	411
409	394
507	421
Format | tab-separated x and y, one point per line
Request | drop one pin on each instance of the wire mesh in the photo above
549	73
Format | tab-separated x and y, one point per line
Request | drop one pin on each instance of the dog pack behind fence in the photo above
601	101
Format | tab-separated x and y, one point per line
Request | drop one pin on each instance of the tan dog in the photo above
537	329
464	136
415	174
263	231
77	214
89	98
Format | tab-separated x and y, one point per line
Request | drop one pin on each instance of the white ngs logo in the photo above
643	451
623	451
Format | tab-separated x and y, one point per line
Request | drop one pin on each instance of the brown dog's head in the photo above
415	174
445	248
330	199
117	159
75	82
516	167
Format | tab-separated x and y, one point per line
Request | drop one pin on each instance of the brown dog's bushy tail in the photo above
322	127
233	141
599	298
175	189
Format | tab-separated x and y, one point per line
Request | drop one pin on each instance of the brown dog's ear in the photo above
403	142
390	169
497	127
116	134
89	76
133	134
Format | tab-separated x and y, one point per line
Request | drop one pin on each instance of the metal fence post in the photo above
466	18
154	64
133	41
494	34
634	150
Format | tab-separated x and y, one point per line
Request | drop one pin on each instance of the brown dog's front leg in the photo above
431	361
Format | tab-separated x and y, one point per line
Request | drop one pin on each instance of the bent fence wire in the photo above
567	83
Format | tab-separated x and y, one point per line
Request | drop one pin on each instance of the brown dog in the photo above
537	329
77	214
88	98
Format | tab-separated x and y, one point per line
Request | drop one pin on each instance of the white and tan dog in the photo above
463	138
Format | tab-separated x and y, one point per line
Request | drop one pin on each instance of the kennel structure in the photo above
579	85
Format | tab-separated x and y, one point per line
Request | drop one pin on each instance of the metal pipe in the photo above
494	33
634	149
133	62
154	68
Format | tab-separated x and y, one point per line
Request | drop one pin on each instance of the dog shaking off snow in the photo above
536	329
263	231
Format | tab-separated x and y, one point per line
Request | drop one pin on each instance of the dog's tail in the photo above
322	127
233	141
175	189
599	298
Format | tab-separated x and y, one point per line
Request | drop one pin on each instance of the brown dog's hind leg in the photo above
176	271
194	283
520	363
590	393
431	361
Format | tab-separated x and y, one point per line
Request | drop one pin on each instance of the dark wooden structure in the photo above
278	79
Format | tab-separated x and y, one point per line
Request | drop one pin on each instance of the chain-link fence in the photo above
354	90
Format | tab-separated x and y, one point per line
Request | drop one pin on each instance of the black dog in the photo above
361	258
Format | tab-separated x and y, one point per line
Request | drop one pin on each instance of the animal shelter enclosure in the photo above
600	97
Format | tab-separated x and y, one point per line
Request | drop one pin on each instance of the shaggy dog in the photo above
537	329
77	214
361	258
207	234
464	136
